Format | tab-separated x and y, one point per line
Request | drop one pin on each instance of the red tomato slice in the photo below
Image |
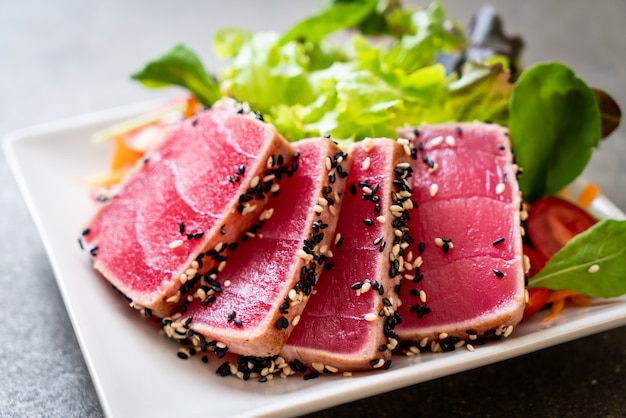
536	299
553	221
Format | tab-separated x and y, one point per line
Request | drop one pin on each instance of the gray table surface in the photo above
64	58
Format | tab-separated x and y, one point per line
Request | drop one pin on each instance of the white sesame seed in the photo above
318	366
450	140
381	219
295	320
332	210
227	283
403	141
439	242
459	344
470	347
526	296
443	335
331	369
367	190
267	214
221	266
593	268
176	243
407	149
322	201
526	264
423	342
174	298
347	374
500	188
195	265
318	209
436	141
275	187
366	163
365	287
433	189
371	317
422	296
183	278
433	168
508	331
293	295
329	163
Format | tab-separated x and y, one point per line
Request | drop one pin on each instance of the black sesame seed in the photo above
498	241
94	251
374	362
352	189
205	359
86	231
416	132
80	244
339	242
368	222
498	273
311	375
356	286
238	322
282	323
329	266
421	247
182	355
231	316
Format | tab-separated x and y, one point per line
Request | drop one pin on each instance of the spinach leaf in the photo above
180	66
592	263
336	16
554	125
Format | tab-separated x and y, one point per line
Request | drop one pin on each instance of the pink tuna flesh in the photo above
250	315
341	326
469	225
179	202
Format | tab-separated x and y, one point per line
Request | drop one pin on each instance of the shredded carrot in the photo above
580	300
555	295
557	307
589	193
122	156
191	108
558	298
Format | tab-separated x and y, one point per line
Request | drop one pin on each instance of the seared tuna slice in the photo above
349	322
195	193
252	306
467	229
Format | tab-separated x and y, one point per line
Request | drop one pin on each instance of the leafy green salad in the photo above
364	68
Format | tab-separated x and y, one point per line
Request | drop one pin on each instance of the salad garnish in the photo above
359	69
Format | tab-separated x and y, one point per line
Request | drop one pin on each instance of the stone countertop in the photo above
68	57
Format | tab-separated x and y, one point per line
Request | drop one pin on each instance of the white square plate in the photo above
136	371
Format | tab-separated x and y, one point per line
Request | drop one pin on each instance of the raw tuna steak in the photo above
252	306
467	229
199	190
348	323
